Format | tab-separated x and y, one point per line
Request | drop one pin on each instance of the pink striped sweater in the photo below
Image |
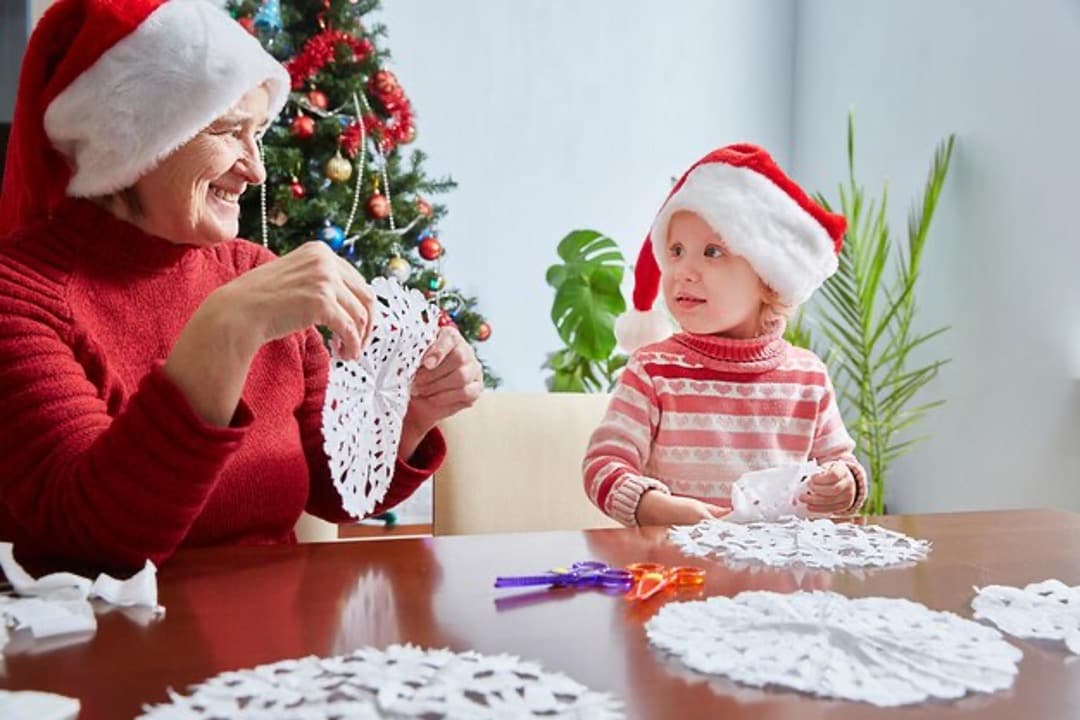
692	413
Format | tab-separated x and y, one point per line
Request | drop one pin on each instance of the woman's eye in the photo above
714	251
676	251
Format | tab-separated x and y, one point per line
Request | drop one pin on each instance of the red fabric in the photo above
69	38
744	155
105	463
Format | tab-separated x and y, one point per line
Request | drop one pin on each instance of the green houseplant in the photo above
863	323
588	298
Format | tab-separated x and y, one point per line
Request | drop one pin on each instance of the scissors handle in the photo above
525	580
651	578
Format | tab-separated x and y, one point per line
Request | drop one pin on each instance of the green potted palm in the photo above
863	322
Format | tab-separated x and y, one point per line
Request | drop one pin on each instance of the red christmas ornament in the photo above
248	23
445	320
408	134
483	332
297	189
303	127
430	249
378	207
317	98
423	207
364	48
384	82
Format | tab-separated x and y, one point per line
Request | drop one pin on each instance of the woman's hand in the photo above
309	286
658	508
450	379
831	491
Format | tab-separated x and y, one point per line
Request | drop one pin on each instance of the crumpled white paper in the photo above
403	681
882	651
795	541
58	603
31	705
366	399
771	494
1049	610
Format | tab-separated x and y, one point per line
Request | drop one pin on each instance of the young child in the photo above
737	247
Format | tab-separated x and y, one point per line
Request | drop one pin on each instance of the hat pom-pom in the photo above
635	329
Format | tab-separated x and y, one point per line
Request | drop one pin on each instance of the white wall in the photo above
1004	251
554	116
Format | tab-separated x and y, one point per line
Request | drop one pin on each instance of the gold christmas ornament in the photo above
399	269
338	169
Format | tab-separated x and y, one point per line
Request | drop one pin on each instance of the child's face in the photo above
707	289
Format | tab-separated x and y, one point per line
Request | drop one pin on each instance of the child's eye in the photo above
675	250
714	251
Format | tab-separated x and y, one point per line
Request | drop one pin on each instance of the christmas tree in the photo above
335	159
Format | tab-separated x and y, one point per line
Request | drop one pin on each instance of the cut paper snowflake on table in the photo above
795	541
366	399
401	682
882	651
1049	610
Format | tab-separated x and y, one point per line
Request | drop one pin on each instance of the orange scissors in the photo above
651	578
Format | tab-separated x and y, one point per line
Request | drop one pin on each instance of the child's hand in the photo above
831	491
657	508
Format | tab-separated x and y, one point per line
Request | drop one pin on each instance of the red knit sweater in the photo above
103	462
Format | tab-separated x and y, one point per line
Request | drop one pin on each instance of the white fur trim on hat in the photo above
155	89
635	329
791	252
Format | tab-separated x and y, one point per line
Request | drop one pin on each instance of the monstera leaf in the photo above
587	293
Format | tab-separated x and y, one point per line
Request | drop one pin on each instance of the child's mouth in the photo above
688	302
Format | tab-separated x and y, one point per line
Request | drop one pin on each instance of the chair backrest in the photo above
513	464
312	529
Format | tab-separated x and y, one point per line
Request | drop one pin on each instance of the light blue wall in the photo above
1002	265
559	115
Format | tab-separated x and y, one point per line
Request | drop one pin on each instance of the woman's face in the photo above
192	197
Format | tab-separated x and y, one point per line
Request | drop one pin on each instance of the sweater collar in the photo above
103	238
753	355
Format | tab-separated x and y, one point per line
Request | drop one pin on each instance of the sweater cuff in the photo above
425	460
861	489
626	495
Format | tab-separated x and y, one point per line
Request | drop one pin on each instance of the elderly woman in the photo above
161	381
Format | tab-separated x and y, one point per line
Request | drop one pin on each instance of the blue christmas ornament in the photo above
268	19
332	235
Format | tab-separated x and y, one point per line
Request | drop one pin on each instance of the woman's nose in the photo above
250	166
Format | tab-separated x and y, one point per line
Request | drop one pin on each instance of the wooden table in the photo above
235	608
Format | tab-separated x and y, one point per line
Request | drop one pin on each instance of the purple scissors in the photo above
588	573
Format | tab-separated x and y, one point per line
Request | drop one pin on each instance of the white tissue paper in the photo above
768	495
59	603
31	705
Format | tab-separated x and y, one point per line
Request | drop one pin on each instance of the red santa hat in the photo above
109	88
761	214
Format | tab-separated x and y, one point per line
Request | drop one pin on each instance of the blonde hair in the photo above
774	314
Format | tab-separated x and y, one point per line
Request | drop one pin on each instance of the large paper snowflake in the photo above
401	682
366	399
1049	610
795	541
882	651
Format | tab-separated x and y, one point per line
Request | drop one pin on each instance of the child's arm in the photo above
833	449
619	449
